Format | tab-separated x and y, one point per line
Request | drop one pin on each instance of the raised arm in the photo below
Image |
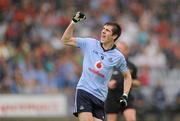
67	37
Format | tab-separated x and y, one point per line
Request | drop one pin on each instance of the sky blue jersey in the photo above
98	65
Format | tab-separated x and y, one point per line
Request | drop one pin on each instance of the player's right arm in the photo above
67	37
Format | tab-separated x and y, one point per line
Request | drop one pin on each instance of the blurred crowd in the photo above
34	61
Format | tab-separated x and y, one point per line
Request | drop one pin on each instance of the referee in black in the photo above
112	107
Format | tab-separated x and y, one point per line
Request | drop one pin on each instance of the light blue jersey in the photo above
98	65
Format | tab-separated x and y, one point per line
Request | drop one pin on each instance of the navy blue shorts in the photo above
86	102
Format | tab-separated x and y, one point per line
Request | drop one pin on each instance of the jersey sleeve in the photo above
82	42
85	43
122	65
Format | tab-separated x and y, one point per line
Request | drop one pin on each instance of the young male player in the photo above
100	57
115	85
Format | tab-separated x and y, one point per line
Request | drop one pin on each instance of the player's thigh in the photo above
85	116
112	117
130	114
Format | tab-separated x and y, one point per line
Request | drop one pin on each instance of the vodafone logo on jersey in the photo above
98	65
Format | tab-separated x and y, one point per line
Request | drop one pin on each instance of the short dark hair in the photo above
116	29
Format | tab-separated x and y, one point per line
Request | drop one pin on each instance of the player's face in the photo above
106	34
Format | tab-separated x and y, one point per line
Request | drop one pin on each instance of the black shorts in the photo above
113	106
86	102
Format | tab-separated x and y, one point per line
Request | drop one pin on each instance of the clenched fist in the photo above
78	17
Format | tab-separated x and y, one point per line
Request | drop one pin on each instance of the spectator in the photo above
159	101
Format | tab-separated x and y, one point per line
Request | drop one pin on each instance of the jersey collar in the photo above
113	47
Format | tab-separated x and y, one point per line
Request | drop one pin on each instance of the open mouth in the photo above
103	36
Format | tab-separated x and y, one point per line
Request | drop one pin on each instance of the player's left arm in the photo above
127	82
127	86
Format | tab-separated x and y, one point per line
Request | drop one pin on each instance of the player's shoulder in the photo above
91	40
87	40
118	53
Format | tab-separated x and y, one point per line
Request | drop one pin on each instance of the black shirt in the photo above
118	76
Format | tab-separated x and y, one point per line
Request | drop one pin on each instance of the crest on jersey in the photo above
110	60
99	65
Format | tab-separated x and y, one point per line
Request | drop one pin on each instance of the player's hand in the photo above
123	101
78	17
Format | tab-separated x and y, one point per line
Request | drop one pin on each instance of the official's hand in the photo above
78	17
123	100
112	84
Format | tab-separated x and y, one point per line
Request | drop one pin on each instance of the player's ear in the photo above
114	37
